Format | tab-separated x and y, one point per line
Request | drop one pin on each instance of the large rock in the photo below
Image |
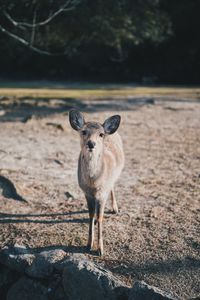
6	276
83	279
16	257
56	293
143	291
45	263
35	264
27	289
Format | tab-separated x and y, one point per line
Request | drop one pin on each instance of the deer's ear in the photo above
111	124
76	119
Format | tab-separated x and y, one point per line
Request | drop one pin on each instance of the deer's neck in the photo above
93	164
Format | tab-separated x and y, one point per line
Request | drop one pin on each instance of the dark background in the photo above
105	40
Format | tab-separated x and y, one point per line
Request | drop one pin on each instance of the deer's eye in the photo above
84	132
101	134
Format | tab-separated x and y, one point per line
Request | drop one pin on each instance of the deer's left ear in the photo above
111	124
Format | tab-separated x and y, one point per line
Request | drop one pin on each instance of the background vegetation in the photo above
148	41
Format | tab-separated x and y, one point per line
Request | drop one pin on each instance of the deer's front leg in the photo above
100	211
90	243
100	237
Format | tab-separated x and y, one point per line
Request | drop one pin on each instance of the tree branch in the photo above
28	45
42	23
33	29
69	5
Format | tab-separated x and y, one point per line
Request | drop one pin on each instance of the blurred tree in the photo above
111	23
104	39
30	27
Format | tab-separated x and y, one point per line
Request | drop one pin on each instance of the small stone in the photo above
69	195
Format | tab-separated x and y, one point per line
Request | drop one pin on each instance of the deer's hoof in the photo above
89	248
115	210
100	252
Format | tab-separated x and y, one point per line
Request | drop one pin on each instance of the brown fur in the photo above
98	170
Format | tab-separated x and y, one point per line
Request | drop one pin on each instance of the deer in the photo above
100	163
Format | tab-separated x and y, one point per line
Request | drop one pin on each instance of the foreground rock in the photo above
17	258
35	264
27	289
6	277
83	279
45	263
52	274
143	291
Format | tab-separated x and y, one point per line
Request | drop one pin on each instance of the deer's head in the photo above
93	134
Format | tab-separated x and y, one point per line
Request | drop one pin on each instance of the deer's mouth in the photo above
88	149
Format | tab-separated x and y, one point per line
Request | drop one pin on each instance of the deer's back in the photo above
114	155
113	148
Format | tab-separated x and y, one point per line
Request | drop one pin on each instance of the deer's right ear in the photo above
76	119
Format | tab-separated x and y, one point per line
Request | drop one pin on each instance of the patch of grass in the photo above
46	89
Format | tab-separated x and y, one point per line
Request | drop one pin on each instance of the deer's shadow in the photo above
39	218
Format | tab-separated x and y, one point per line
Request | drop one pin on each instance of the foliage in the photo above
98	37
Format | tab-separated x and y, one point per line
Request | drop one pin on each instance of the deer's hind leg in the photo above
114	201
91	208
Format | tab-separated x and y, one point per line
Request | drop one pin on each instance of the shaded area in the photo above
8	190
154	267
17	250
176	273
60	85
25	108
136	270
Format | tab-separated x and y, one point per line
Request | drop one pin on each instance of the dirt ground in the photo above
156	234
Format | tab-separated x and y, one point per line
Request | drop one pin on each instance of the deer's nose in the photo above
91	144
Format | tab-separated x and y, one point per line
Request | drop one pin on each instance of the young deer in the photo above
100	163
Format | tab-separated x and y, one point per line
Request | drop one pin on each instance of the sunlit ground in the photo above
155	237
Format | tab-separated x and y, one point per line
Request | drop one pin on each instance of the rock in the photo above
143	291
45	262
37	265
27	289
69	196
16	257
83	279
7	277
57	293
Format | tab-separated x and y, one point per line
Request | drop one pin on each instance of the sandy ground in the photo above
156	234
